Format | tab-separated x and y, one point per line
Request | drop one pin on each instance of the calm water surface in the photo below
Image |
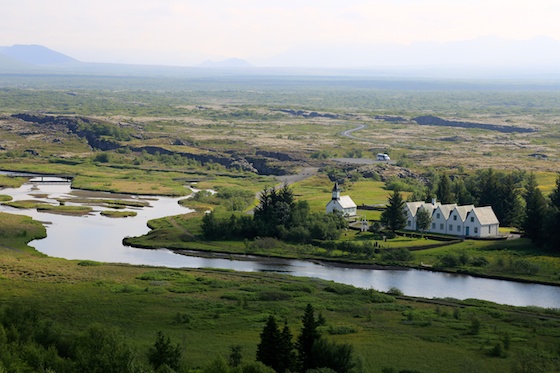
99	238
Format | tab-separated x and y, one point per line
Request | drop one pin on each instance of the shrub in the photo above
449	261
89	263
395	291
341	330
396	255
479	261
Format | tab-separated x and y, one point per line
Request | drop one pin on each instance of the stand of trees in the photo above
541	221
278	215
310	351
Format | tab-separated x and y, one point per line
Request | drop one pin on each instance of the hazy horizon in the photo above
277	33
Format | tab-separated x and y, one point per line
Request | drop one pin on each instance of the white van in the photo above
383	157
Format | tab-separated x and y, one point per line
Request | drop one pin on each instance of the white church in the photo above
344	204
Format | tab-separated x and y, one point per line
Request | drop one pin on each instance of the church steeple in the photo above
335	191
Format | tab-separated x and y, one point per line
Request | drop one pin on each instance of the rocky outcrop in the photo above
429	120
390	118
284	157
309	114
73	125
264	163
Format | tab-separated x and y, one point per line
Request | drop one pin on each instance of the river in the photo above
99	238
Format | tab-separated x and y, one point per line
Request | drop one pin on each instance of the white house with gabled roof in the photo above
466	220
481	222
344	204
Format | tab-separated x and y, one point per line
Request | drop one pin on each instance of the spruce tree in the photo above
286	353
423	219
444	193
535	211
309	334
394	216
553	218
511	210
164	353
267	349
555	194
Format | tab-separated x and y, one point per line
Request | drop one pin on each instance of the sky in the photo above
187	32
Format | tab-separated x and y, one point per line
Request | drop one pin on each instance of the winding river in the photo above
99	238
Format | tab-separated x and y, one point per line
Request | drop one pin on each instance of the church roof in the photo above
346	202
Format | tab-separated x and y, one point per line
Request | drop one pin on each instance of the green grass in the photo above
45	207
118	214
17	230
511	259
11	182
207	311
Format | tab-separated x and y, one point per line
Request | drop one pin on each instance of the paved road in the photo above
303	174
348	133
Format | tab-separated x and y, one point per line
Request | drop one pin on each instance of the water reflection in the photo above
96	237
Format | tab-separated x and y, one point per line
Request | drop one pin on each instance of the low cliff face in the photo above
263	163
429	120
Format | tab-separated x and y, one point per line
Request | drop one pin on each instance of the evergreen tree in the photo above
462	194
274	210
271	340
553	218
337	357
444	193
286	353
423	219
510	209
164	353
210	227
555	194
535	211
304	344
486	188
394	216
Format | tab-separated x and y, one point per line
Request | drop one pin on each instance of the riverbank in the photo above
345	264
510	260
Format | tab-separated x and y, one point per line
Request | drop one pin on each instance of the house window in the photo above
458	228
472	219
450	227
433	225
437	215
441	226
489	230
455	217
409	223
475	230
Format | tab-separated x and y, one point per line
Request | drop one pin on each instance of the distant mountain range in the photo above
35	55
482	58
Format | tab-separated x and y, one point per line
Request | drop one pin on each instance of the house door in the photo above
467	229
